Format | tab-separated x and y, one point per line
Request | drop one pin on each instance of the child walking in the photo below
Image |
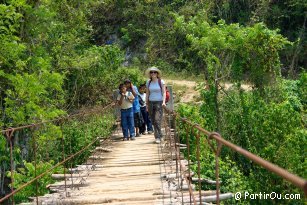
145	115
138	121
125	100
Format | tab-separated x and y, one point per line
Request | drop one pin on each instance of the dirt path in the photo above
190	93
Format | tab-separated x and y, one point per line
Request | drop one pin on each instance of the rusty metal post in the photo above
285	174
33	128
178	162
217	152
185	177
198	162
64	156
170	144
172	138
217	169
9	136
189	159
178	167
71	162
175	153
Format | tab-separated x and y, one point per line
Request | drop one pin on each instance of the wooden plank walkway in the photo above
129	174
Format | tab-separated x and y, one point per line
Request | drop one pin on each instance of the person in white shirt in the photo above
125	100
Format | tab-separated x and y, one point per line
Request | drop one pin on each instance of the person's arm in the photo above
120	99
147	98
164	94
134	92
131	97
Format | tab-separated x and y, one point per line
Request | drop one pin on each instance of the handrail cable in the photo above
294	179
10	131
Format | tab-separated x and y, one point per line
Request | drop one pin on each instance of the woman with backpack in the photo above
155	99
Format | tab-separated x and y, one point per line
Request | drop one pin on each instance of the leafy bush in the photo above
80	132
72	136
24	175
270	125
233	179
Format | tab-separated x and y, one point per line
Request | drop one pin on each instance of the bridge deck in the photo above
130	174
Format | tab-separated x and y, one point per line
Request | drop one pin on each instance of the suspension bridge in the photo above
137	172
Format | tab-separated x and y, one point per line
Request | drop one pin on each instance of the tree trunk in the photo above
292	70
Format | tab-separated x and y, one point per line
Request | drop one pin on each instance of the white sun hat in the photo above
147	72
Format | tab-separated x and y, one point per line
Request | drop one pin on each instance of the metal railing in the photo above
215	141
174	145
66	152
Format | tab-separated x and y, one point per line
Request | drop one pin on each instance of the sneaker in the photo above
125	139
150	132
158	141
132	138
143	133
137	135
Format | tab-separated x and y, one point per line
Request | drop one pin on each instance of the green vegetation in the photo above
49	67
268	121
57	57
70	137
23	175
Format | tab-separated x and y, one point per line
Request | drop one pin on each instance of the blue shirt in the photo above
136	103
155	91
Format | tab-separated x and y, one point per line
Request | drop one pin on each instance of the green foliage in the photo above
29	172
131	21
79	133
50	141
192	112
156	29
233	50
49	66
92	75
270	125
4	153
131	34
132	73
302	92
33	97
233	179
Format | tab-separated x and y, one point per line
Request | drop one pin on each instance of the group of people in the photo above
142	108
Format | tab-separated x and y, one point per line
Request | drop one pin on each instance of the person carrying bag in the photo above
155	99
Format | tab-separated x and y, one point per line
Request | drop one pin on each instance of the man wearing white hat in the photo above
155	99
